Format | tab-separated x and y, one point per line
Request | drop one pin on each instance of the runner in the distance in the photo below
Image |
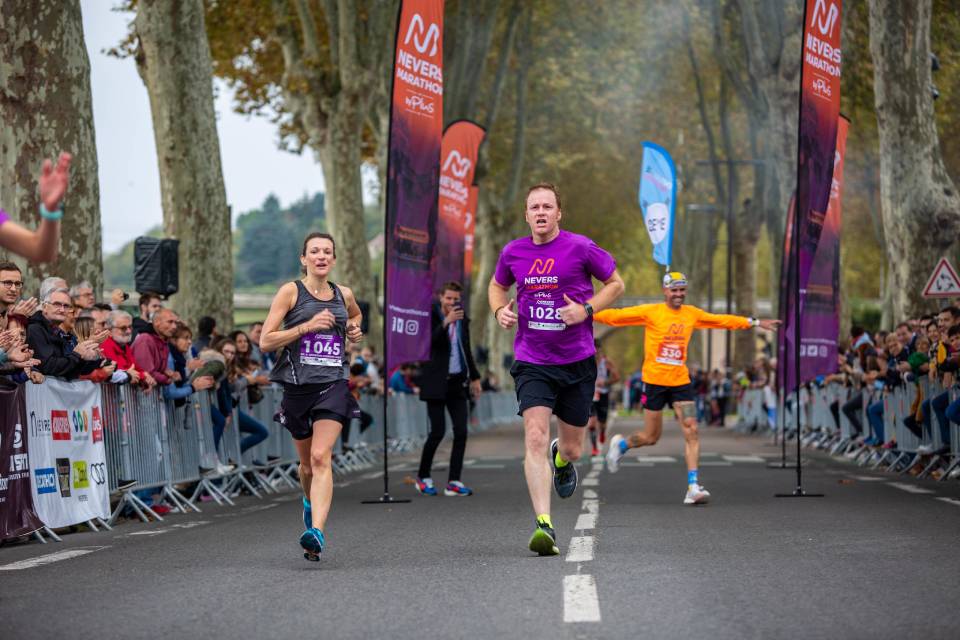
606	375
555	369
666	379
318	316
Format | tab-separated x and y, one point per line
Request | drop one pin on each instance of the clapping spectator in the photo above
82	295
83	329
117	347
59	354
11	286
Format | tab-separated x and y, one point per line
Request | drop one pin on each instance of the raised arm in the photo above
635	316
41	245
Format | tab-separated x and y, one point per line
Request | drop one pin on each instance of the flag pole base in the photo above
386	498
798	493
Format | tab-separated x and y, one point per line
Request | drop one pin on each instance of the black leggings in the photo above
456	404
853	408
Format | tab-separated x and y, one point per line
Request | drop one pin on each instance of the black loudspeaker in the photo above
155	266
365	310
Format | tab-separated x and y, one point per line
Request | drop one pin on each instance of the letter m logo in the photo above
422	37
540	267
825	19
457	164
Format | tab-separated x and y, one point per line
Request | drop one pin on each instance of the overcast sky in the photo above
253	166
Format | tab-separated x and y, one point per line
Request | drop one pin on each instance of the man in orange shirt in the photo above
666	379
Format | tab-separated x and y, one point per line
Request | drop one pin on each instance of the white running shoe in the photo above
696	495
614	453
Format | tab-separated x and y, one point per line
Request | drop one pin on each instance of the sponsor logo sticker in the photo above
46	480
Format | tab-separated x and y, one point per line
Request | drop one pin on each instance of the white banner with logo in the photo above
67	455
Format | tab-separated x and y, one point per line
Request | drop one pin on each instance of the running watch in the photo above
588	308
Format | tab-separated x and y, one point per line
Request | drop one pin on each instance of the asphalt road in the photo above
876	558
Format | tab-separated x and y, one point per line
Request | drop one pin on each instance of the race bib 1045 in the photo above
321	350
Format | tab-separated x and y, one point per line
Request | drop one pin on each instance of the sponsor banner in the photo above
17	516
458	154
658	194
468	241
67	456
819	117
413	180
820	299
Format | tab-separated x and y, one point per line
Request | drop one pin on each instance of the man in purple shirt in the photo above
554	369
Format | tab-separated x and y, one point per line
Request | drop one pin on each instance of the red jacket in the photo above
121	354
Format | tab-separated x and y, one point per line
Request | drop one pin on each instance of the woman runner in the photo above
317	316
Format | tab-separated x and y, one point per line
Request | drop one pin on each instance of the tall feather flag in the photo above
658	195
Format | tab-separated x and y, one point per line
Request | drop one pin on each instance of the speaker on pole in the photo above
156	266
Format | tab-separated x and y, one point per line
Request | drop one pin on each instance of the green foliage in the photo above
865	314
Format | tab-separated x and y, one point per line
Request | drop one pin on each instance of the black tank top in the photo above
314	358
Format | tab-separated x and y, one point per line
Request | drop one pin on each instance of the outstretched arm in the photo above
723	321
626	317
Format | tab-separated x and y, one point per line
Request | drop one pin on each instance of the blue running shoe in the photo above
565	477
457	488
312	541
307	514
425	486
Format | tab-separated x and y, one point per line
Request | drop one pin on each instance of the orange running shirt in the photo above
667	336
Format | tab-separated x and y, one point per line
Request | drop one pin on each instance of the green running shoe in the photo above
544	541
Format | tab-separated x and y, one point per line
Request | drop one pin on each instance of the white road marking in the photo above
731	458
715	463
909	488
952	501
637	464
656	459
581	549
174	527
591	506
593	474
867	478
590	482
49	558
580	602
586	521
590	493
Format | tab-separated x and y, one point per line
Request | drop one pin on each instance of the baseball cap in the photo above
674	279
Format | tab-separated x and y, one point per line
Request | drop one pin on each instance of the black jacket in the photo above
55	352
140	326
434	373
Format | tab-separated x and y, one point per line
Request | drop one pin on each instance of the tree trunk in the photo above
173	59
45	108
920	205
341	161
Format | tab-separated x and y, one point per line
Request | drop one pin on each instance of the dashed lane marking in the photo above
732	458
952	501
867	478
50	558
580	601
656	459
589	493
715	463
174	527
586	521
581	549
591	506
590	482
909	488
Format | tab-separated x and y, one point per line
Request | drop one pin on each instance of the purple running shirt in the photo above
543	273
4	216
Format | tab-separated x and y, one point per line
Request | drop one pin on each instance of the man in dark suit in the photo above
444	383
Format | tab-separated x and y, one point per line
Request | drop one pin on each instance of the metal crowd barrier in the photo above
167	447
822	428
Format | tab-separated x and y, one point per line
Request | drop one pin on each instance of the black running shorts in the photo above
303	405
565	388
655	398
601	408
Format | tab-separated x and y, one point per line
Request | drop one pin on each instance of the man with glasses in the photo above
52	345
117	347
11	286
82	295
